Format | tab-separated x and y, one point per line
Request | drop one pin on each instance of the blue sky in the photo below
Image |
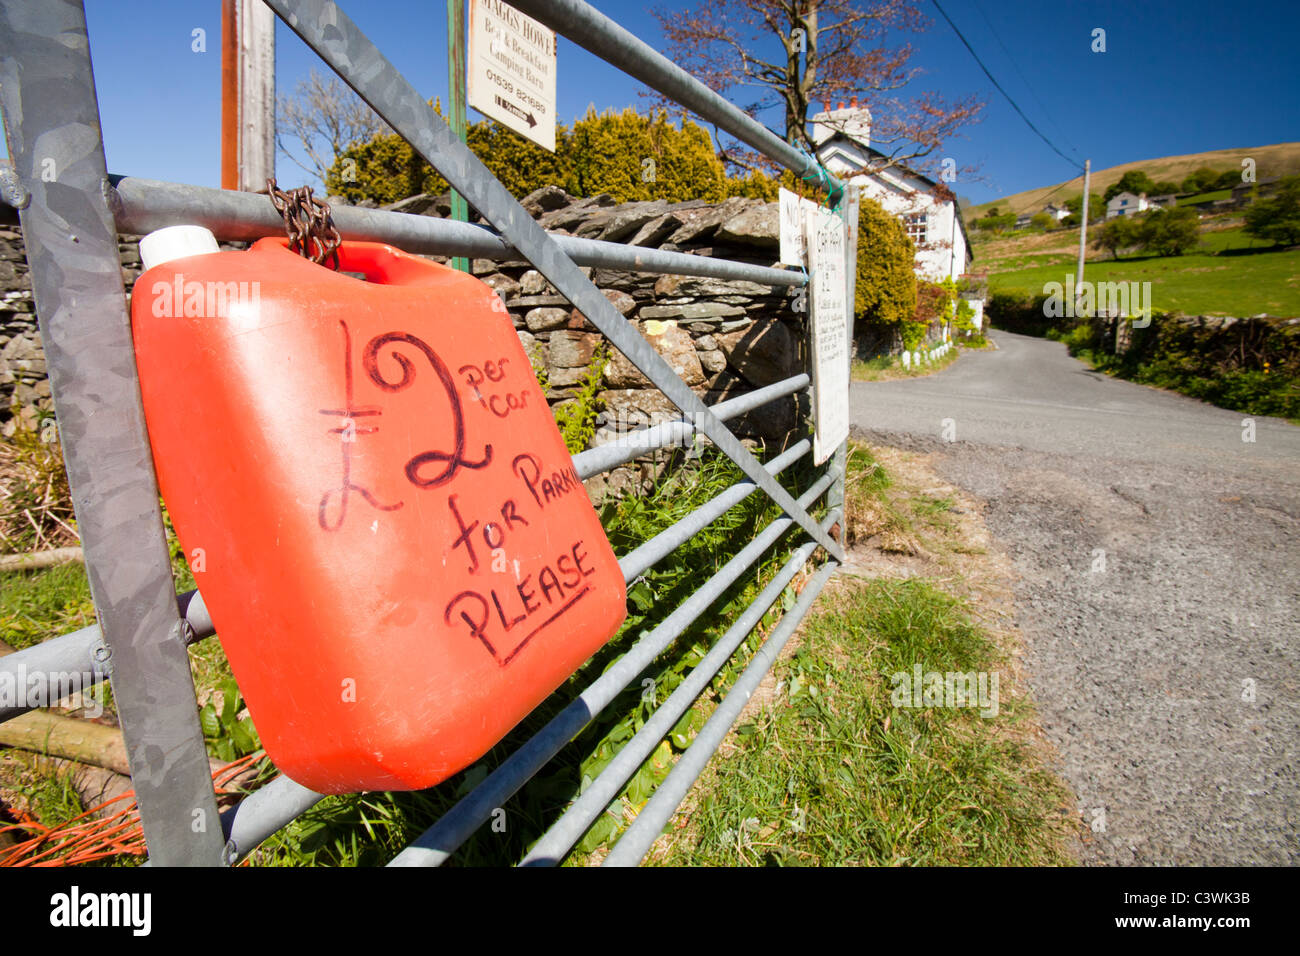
1175	78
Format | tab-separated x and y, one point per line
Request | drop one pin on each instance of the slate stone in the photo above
534	301
533	282
628	220
757	226
690	311
546	199
545	319
569	349
669	340
764	353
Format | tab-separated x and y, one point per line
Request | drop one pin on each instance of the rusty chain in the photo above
308	223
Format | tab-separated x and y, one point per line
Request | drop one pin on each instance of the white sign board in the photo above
512	70
796	216
793	248
830	333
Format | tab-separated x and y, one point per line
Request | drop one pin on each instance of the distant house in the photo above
1024	219
1167	201
842	138
1127	204
1056	212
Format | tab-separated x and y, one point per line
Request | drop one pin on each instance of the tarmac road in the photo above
1159	593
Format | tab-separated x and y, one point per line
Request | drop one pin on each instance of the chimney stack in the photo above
856	125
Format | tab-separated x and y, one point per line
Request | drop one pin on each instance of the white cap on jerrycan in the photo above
175	242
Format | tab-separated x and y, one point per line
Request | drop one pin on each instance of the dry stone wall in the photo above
722	338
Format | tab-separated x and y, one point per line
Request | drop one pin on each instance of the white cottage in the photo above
842	138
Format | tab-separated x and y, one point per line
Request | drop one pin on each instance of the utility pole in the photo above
1083	226
456	117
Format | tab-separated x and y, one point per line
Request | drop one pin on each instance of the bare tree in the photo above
819	50
325	117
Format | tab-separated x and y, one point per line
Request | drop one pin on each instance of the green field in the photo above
1230	274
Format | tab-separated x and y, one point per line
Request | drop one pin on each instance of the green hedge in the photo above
1247	365
1023	313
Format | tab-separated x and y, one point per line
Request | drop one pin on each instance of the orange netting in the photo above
92	836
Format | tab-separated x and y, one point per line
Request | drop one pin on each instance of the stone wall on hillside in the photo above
1214	341
722	338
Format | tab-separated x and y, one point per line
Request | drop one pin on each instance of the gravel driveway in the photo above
1159	592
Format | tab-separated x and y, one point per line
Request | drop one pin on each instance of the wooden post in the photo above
247	95
456	108
229	95
256	95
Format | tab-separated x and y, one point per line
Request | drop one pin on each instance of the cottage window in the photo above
918	226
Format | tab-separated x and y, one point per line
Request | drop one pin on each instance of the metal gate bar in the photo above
652	551
438	842
654	816
145	205
568	830
593	461
263	812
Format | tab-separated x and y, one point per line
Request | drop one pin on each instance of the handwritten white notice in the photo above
830	333
797	216
793	246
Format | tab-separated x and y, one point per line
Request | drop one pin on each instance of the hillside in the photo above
1280	159
1229	273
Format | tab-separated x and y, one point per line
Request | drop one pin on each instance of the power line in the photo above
1024	79
1013	103
1058	189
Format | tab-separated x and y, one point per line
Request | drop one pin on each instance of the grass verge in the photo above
838	767
835	774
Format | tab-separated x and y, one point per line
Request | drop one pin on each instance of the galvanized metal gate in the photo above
70	223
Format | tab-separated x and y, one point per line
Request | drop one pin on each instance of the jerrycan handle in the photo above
383	264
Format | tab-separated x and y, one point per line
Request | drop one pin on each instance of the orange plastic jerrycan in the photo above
397	554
